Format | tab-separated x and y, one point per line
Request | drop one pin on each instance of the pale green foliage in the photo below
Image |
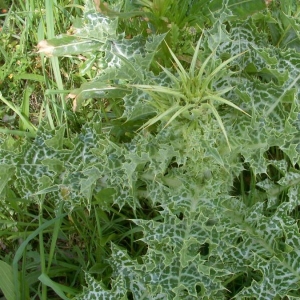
190	91
207	239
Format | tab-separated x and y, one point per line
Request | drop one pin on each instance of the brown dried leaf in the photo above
44	47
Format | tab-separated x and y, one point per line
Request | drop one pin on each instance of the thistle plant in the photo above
191	91
101	211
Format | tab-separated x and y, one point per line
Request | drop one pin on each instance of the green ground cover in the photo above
149	149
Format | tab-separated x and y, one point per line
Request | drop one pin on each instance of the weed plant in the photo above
164	161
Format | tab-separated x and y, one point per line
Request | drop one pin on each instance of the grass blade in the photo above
158	89
27	76
54	238
220	99
180	66
218	118
45	279
25	121
22	247
221	66
17	132
195	57
180	111
201	71
171	76
6	171
159	117
7	283
25	108
50	21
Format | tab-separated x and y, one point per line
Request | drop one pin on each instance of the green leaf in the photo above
6	171
89	182
160	117
97	26
244	8
96	89
137	106
68	45
290	36
195	58
27	76
159	89
222	100
178	113
217	70
99	290
57	288
219	120
24	118
209	223
20	251
57	142
7	283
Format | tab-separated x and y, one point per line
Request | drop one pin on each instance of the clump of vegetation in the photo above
159	167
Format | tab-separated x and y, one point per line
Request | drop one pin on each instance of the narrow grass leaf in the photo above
6	172
45	279
7	283
50	21
59	82
219	120
18	132
195	58
205	63
22	247
224	91
158	89
220	99
54	238
27	76
27	123
171	76
177	61
178	112
4	53
49	5
159	117
184	79
221	66
25	108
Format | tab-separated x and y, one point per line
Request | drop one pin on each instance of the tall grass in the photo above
33	87
48	251
36	239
